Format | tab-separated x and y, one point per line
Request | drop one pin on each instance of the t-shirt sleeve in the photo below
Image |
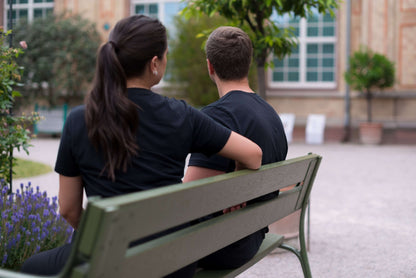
66	164
215	162
209	137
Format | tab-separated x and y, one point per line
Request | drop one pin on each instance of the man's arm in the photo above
196	173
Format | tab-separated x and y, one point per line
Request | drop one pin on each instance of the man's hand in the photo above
233	208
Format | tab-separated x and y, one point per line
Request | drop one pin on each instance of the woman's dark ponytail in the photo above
112	119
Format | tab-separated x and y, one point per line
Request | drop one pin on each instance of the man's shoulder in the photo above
215	108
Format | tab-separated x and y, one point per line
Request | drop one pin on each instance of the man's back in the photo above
251	116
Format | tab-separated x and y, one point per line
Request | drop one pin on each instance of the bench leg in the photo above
303	259
302	253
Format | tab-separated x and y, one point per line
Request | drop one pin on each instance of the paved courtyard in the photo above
363	211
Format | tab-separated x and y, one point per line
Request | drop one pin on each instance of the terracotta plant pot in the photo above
371	133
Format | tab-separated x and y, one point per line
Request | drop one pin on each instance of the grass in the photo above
27	168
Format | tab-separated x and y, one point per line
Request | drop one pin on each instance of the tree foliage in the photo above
187	67
60	58
369	71
254	16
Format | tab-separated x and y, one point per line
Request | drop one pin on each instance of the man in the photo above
229	51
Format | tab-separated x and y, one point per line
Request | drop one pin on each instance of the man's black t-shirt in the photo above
168	130
251	116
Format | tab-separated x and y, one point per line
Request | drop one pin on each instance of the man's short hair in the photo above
229	50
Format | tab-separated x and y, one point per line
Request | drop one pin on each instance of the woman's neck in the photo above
139	83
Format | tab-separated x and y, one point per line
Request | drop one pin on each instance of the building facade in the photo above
311	80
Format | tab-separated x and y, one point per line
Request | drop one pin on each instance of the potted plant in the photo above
368	72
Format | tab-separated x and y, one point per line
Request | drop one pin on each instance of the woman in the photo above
127	138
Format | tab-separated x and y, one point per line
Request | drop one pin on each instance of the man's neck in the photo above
224	87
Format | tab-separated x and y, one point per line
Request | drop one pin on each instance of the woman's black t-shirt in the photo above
168	130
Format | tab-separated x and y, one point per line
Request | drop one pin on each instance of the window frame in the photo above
303	40
160	3
30	7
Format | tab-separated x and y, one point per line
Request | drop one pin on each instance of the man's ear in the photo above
210	68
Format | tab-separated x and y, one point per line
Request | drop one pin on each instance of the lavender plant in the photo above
29	224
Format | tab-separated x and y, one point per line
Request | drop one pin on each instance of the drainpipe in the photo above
347	120
10	109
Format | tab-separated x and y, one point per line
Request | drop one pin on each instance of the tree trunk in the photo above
261	81
51	97
369	106
261	75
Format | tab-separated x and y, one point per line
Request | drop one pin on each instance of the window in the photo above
312	63
147	9
27	9
164	10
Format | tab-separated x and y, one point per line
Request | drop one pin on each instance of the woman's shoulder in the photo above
77	112
178	106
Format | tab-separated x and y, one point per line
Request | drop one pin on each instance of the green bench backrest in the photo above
109	225
101	247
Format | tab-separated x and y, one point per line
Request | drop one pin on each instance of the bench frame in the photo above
108	226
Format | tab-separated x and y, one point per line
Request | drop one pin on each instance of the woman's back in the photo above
169	129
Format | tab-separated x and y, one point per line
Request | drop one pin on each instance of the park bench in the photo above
108	226
53	119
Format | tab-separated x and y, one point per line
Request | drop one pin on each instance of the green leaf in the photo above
16	94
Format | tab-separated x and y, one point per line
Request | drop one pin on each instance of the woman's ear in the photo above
154	63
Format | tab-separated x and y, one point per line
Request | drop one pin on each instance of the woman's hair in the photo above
112	119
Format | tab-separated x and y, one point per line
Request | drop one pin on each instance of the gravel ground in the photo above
363	211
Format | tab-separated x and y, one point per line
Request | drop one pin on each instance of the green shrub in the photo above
60	59
14	130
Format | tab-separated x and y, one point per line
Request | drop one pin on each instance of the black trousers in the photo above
234	255
49	262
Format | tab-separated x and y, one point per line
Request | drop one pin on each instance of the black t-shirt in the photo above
168	130
249	115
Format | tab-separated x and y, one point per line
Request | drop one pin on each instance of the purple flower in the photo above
43	236
29	217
